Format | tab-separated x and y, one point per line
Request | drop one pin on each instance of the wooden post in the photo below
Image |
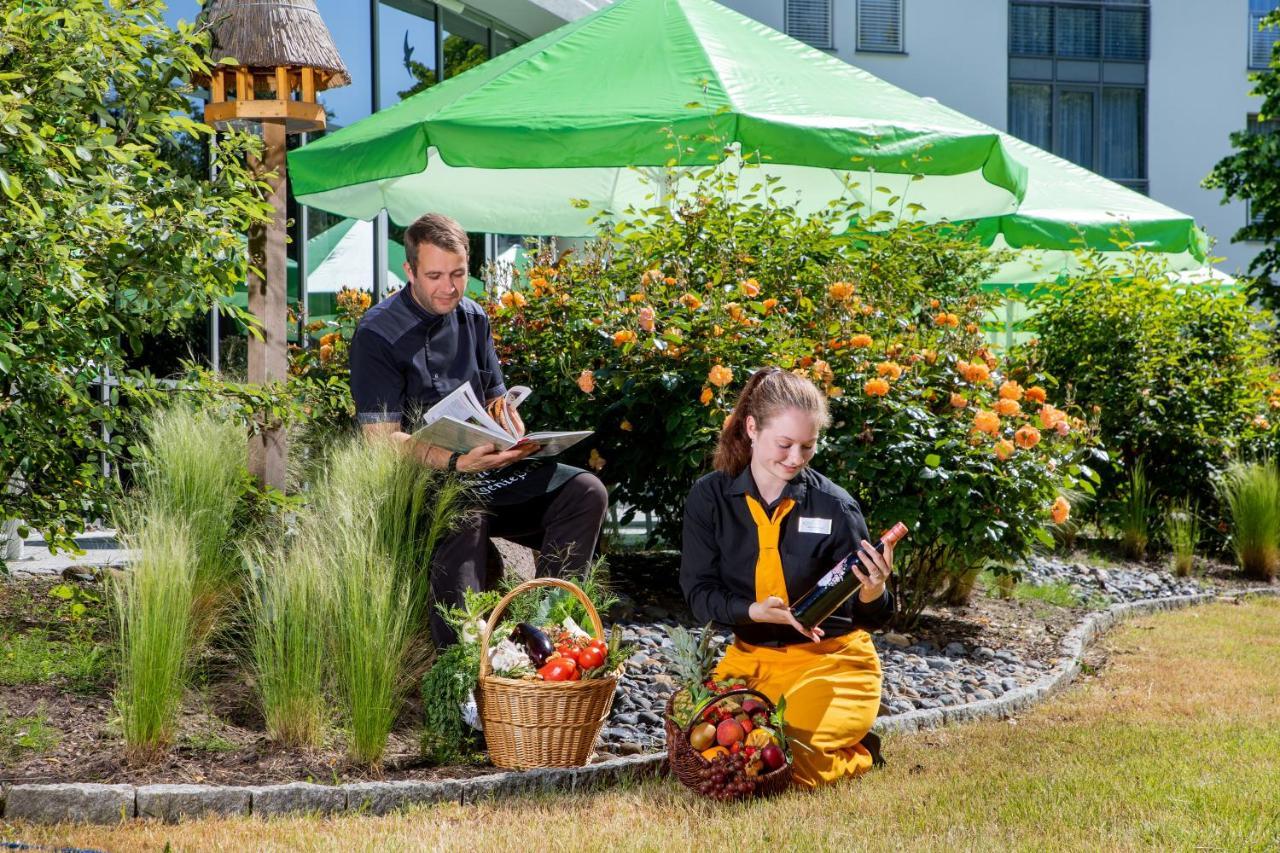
268	357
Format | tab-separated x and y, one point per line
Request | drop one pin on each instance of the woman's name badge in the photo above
815	525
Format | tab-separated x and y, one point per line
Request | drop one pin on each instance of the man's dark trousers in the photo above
562	526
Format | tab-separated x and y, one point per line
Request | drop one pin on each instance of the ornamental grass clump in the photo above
1251	493
154	606
192	464
1135	515
1182	529
383	515
288	607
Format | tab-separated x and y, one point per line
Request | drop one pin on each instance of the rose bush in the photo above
646	334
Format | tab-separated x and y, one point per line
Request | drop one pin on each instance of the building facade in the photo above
1144	92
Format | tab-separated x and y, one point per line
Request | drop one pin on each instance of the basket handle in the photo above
492	624
741	691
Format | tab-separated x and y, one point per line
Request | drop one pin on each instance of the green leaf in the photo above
933	460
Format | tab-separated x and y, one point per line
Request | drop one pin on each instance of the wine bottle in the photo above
837	585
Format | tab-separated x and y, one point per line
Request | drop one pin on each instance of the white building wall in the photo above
957	51
1198	94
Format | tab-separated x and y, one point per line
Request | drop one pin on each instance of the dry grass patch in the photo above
1173	747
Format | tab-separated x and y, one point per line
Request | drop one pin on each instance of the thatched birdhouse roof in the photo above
275	33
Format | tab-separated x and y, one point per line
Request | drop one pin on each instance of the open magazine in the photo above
460	422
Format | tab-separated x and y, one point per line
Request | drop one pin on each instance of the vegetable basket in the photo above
687	764
541	723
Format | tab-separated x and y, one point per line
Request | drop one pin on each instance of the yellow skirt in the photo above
833	696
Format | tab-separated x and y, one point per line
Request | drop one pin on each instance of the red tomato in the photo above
590	658
568	651
601	645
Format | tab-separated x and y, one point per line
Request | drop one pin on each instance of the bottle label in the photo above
837	574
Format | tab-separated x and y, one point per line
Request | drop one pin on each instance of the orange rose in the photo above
1010	390
835	391
707	396
596	461
860	341
513	299
669	280
1061	510
719	375
329	339
621	338
1003	449
625	426
636	297
935	304
891	369
840	290
988	422
1007	407
1050	417
823	371
586	382
958	402
645	318
930	357
326	352
735	311
876	388
1027	436
693	303
750	287
977	373
769	305
1036	394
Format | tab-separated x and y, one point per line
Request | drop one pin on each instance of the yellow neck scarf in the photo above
769	577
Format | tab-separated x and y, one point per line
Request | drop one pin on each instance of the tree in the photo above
1252	173
102	239
460	54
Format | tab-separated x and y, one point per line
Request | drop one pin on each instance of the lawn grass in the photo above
20	735
37	658
1172	747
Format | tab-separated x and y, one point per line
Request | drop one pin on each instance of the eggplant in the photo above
536	644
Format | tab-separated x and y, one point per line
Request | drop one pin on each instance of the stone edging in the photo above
99	803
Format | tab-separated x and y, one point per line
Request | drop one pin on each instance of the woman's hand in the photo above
877	567
775	611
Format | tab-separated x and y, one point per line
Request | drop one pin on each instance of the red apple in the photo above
773	757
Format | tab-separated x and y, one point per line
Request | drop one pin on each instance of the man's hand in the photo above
487	457
775	611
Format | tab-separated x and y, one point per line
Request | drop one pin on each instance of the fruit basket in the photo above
747	759
541	723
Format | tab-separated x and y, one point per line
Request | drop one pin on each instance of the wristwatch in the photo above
453	461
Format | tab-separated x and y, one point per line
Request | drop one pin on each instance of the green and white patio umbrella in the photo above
537	140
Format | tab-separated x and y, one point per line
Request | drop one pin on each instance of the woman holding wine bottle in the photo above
760	534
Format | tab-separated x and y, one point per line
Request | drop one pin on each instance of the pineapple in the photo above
692	660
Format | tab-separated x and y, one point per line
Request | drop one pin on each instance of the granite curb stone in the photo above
97	803
170	803
71	802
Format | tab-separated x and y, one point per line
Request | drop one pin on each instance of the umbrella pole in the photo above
268	356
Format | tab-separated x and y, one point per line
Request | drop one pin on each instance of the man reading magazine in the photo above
418	347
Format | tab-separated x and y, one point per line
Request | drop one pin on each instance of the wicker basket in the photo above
686	762
541	723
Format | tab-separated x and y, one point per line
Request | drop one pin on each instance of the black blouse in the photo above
718	558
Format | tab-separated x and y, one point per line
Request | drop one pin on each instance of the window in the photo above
1256	126
1261	41
810	22
1080	30
880	26
1077	82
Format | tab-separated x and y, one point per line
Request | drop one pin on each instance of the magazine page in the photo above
554	443
460	436
462	405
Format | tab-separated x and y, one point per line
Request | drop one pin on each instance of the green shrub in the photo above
1251	493
1182	529
645	335
154	606
1179	377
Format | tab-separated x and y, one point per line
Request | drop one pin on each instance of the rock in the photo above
170	803
626	719
1009	683
897	640
630	748
651	718
297	798
69	803
940	664
982	653
885	709
955	650
981	694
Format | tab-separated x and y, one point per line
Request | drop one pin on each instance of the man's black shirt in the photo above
718	558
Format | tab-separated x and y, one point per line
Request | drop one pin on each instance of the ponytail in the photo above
769	391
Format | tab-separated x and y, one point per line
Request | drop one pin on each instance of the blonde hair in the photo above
768	392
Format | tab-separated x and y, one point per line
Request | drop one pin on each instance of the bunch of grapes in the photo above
725	778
